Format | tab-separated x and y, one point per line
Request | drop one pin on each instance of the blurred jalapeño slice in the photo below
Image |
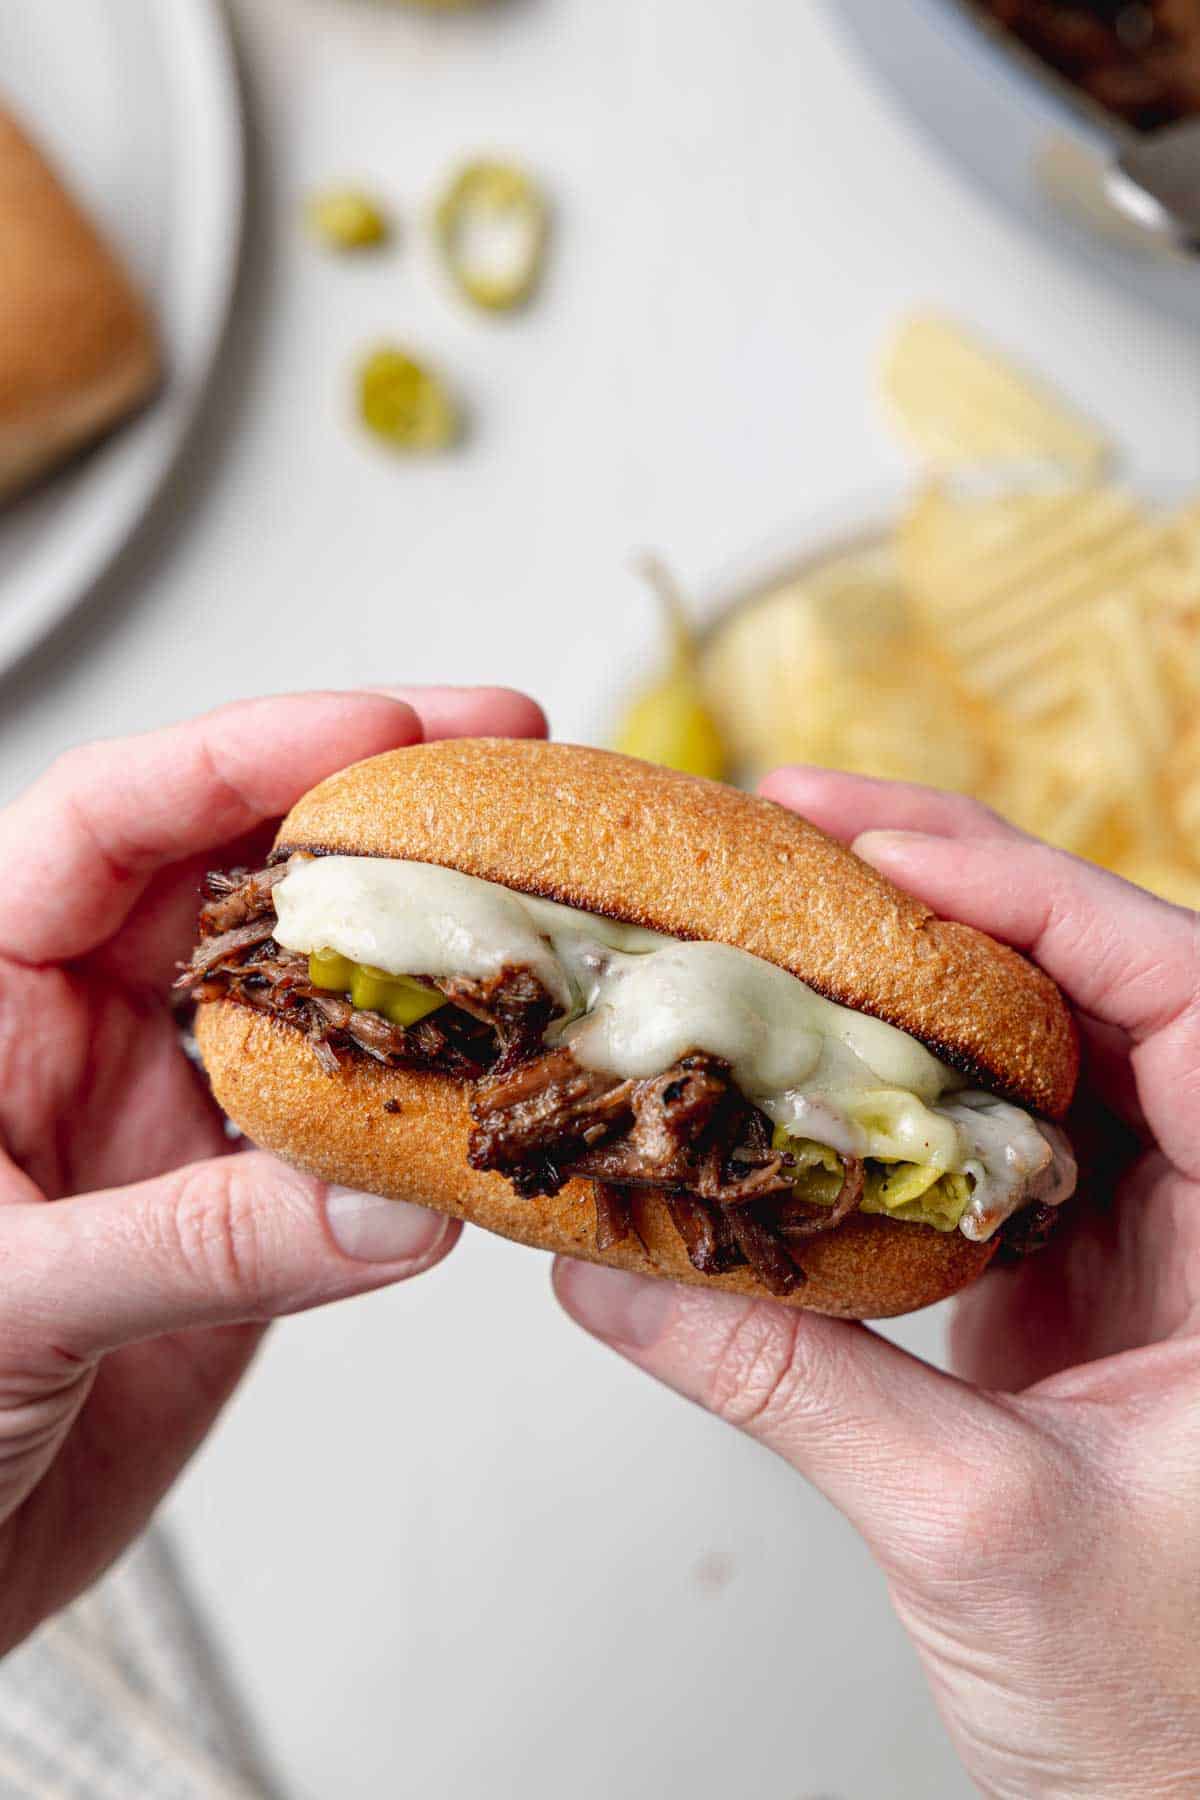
491	226
405	403
346	219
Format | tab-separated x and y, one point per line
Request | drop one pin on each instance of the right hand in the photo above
1038	1517
139	1259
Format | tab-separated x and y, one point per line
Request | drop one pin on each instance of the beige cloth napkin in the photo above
123	1697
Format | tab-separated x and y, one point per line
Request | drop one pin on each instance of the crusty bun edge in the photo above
697	859
265	1076
78	347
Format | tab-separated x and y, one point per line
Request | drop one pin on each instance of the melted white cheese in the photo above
1013	1159
412	919
633	1002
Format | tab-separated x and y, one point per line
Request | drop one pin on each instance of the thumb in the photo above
892	1442
242	1237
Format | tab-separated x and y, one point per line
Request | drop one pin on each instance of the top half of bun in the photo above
696	859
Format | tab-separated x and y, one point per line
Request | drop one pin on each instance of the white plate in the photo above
137	102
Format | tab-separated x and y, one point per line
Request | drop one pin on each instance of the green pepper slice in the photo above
404	403
398	998
326	969
346	219
409	1002
915	1192
491	224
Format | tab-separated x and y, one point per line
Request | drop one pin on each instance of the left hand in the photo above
130	1307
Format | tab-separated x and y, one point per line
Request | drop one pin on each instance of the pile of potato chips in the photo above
1029	633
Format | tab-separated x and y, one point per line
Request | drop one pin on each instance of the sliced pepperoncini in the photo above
491	224
326	969
915	1192
346	219
404	403
397	997
669	722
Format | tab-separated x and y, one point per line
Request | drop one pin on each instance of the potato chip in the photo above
1033	642
1184	534
987	571
1050	779
1172	609
828	668
959	404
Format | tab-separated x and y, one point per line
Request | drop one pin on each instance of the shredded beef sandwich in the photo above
698	1093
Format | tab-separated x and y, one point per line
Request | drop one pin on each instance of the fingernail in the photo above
372	1229
626	1309
875	846
407	690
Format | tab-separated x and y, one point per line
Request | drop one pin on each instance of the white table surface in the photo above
455	1549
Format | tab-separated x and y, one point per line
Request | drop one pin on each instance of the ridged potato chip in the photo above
830	669
959	405
1030	633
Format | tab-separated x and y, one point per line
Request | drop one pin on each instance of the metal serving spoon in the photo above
1156	182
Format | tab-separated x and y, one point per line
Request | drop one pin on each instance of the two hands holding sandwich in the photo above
1035	1516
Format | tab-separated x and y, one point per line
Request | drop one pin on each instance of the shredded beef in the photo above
799	1221
687	1133
538	1116
688	1128
706	1233
613	1223
238	897
237	958
514	1004
765	1251
532	1121
1026	1231
1137	58
670	1115
209	952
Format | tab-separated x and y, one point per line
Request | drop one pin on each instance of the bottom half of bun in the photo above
403	1133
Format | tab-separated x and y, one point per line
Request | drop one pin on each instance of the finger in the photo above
16	1187
161	927
869	1425
237	1239
1112	1278
95	1091
1120	954
847	806
79	847
159	931
844	805
450	712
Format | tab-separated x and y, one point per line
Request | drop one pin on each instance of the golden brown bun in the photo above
697	859
265	1076
77	349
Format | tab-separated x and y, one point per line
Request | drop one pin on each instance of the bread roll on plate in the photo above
78	351
625	1014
